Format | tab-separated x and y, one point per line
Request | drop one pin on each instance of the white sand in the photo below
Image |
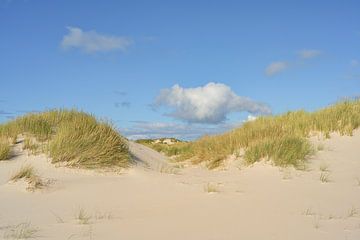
258	202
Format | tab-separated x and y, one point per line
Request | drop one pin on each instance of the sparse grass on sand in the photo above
82	216
21	231
324	177
309	212
74	138
353	212
29	174
103	215
211	188
168	169
324	167
282	139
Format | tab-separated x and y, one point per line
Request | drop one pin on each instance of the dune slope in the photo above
257	202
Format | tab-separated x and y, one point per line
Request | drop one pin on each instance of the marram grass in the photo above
4	150
281	139
74	138
88	144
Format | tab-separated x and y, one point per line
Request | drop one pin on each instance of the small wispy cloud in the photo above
123	104
2	112
308	53
352	76
276	67
6	114
91	41
209	104
354	63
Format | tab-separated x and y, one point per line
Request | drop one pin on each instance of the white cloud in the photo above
143	129
92	41
275	68
279	66
207	104
309	53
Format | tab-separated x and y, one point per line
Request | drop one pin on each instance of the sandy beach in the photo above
150	201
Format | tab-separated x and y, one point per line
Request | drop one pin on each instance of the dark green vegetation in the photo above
71	137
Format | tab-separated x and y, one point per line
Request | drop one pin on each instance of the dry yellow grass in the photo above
282	139
82	216
4	150
74	138
211	188
23	230
29	174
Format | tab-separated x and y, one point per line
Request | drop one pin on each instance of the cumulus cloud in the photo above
207	104
309	53
91	41
142	129
275	68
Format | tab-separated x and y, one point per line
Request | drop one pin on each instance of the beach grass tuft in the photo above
29	174
73	138
21	231
82	216
211	188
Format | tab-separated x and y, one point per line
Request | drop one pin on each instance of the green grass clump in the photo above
74	138
4	150
282	139
283	152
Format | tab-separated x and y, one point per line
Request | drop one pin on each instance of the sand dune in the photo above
147	202
147	157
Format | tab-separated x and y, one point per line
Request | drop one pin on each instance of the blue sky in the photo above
177	68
